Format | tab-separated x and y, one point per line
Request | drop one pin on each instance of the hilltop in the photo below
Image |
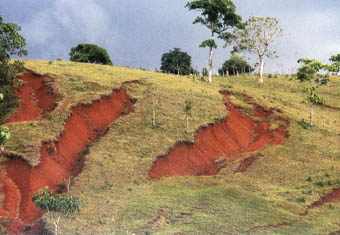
264	173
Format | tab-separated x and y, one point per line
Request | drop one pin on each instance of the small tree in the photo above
56	205
220	17
90	53
177	62
235	65
335	64
258	37
309	69
313	99
188	113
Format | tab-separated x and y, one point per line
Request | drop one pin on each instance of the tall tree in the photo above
258	36
220	17
177	62
11	44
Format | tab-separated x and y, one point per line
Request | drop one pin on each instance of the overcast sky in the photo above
137	32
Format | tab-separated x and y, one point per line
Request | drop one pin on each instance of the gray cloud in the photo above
136	33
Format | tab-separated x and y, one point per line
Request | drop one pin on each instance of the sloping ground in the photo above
36	98
58	159
117	195
223	141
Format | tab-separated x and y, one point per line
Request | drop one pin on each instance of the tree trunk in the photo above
187	123
56	226
311	114
210	64
261	70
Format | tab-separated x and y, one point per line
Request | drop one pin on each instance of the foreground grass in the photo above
118	198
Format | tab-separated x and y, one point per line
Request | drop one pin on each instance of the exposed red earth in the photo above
333	196
36	97
226	140
59	159
246	163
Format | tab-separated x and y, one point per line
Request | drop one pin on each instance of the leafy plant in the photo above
304	124
308	70
313	97
90	53
56	205
188	113
177	62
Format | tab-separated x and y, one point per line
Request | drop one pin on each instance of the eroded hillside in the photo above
217	187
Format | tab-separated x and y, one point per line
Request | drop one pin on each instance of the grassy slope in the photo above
118	197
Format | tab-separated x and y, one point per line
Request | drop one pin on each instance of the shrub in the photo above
304	124
309	69
55	205
313	97
90	53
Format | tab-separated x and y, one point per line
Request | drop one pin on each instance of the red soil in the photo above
226	140
58	159
246	163
333	196
36	97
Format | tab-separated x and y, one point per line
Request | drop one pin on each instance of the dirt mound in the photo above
58	159
36	98
238	133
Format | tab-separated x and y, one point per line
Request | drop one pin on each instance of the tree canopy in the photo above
220	17
177	62
335	63
217	15
258	36
56	205
235	65
308	69
90	53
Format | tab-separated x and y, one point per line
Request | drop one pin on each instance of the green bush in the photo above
90	53
313	97
308	69
304	124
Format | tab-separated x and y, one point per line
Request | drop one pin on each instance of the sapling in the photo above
188	113
313	99
56	205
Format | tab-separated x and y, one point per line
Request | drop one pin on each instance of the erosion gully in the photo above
59	159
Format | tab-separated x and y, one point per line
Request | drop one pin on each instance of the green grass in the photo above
118	198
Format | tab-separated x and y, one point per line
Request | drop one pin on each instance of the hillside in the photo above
244	165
